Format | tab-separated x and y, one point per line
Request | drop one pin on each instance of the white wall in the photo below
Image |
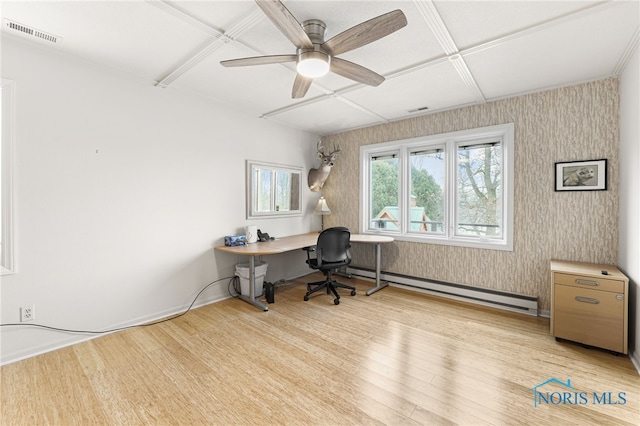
122	190
629	251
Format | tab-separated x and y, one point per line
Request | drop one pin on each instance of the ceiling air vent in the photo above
424	108
29	32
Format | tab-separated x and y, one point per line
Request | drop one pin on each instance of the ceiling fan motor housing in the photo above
313	62
315	29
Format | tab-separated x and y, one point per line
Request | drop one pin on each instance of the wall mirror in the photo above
273	190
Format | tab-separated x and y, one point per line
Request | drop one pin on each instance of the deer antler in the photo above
335	150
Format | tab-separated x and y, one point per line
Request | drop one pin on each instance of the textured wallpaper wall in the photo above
566	124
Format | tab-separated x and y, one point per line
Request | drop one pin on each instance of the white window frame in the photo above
451	141
253	211
7	261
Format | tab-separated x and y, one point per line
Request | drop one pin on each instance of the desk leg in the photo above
379	286
252	287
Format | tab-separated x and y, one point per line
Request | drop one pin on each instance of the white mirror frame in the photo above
7	265
274	211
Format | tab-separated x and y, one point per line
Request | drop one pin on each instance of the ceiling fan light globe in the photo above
313	64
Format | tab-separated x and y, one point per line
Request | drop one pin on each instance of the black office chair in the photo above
332	252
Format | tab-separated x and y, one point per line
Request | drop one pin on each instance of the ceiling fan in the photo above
314	56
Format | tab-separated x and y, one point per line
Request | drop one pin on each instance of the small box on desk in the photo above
235	240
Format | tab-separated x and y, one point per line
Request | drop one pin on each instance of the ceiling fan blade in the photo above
286	22
355	72
366	32
258	60
300	86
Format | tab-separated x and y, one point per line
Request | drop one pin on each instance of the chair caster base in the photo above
331	287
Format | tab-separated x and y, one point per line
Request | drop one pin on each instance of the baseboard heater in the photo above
482	296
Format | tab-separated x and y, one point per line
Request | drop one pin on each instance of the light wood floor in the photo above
397	357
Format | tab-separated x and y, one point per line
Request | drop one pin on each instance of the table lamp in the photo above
322	209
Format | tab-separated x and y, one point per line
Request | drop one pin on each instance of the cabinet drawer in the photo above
582	281
589	316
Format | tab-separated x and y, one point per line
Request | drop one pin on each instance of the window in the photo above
273	190
454	188
6	208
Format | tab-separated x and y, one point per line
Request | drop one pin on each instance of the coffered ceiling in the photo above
450	54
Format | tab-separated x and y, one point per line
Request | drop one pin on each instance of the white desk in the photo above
296	242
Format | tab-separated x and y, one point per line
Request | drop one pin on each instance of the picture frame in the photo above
590	175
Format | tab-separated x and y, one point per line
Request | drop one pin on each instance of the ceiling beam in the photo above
436	24
628	53
220	38
523	32
194	22
433	19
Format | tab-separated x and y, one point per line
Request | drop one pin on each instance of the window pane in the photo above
294	191
283	191
384	192
263	191
479	195
427	191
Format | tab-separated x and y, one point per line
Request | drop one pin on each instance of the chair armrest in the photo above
309	250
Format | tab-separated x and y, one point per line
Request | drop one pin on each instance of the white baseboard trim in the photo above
481	296
76	338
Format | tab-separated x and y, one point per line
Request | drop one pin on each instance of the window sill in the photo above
487	244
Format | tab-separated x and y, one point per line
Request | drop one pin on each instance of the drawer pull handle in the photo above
588	282
587	300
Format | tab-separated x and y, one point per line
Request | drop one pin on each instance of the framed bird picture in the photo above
588	175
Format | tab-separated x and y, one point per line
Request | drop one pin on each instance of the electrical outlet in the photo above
27	313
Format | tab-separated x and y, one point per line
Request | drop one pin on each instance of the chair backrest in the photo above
333	246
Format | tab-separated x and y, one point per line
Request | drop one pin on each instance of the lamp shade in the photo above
322	207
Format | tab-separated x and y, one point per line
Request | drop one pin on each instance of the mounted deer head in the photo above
317	176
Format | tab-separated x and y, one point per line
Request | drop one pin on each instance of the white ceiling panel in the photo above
265	39
325	115
472	23
559	55
119	35
218	14
496	49
435	87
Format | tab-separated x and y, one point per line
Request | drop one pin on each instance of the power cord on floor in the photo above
281	282
21	324
235	284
